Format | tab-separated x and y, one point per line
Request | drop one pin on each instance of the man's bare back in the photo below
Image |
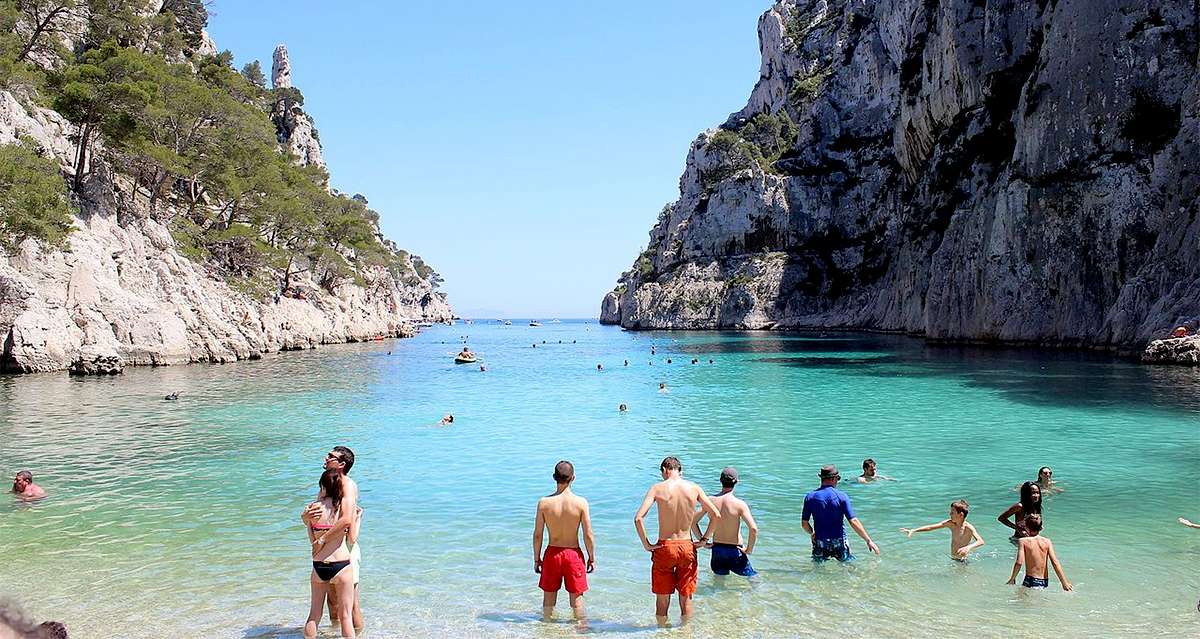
563	514
676	499
728	529
1036	551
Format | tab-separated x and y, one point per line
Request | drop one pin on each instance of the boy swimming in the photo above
1035	551
963	536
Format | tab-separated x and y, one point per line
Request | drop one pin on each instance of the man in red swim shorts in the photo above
563	512
673	558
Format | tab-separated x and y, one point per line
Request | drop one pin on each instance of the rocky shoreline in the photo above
958	171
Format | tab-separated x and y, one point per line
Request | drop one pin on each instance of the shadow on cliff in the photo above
1029	376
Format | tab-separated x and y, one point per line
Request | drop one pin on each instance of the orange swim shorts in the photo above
674	568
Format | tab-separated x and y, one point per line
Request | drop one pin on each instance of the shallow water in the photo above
180	519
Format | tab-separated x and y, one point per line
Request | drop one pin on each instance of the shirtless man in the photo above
563	512
342	458
673	556
728	553
963	536
869	475
24	488
1035	551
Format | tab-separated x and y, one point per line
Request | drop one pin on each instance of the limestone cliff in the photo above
1002	171
121	292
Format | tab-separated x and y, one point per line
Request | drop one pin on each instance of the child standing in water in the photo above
963	536
1035	551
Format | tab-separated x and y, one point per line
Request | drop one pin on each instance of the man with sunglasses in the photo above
827	506
349	520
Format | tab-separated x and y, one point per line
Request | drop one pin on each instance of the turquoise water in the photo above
180	519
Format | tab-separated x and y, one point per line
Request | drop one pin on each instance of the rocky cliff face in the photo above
121	293
297	133
1012	171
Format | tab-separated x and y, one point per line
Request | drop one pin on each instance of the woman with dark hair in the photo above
1030	504
331	558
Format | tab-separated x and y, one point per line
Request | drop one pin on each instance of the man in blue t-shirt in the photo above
827	506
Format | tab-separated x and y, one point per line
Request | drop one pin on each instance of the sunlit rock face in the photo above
1003	171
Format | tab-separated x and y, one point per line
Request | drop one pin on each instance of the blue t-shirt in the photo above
827	506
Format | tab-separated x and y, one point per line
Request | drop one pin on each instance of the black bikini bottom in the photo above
327	570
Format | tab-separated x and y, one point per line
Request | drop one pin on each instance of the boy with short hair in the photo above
562	514
963	536
1035	551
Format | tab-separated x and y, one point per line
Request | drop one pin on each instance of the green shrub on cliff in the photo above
33	198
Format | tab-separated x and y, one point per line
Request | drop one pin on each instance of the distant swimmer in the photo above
172	397
827	507
869	475
652	351
728	552
662	387
710	361
668	360
1188	523
627	362
1045	481
963	536
535	345
1034	552
562	513
599	367
447	420
622	408
482	368
673	556
24	488
695	361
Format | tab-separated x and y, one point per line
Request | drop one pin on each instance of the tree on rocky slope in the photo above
33	197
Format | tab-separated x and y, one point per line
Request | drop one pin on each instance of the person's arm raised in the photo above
1066	584
640	525
911	531
589	540
539	524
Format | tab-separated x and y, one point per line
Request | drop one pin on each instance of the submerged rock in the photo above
1001	171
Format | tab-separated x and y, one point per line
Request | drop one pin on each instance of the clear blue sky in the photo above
523	149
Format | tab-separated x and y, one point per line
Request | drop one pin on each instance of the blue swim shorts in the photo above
727	558
838	549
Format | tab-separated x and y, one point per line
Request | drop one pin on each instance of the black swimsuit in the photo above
327	570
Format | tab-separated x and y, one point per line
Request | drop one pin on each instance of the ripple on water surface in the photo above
181	518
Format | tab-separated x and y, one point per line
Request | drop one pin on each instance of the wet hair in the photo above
1044	468
331	485
1028	505
52	630
671	463
728	482
347	457
564	471
868	462
961	506
23	475
1033	523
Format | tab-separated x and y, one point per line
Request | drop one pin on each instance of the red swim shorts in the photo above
674	567
563	564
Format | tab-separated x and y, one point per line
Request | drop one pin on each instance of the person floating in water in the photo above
668	360
24	488
562	513
673	556
1035	551
827	506
172	397
599	367
1030	504
869	475
482	368
1188	523
447	420
728	552
662	387
1045	481
963	536
622	408
627	362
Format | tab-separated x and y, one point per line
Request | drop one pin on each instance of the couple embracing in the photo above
332	523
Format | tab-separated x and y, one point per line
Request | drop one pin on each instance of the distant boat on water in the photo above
534	323
507	323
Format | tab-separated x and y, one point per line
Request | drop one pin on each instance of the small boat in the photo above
535	323
460	359
507	323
